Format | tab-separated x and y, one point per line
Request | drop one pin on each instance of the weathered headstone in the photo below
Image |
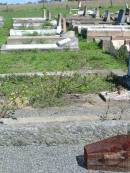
59	20
121	17
79	4
106	16
127	8
44	13
96	13
112	154
59	23
48	15
64	25
85	11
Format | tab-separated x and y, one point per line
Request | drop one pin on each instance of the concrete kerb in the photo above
79	132
84	72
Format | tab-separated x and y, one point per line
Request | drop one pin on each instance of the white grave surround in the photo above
14	32
31	19
97	27
35	25
29	47
64	43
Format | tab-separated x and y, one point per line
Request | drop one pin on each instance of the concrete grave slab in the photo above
116	96
29	47
33	39
34	32
66	43
106	32
28	20
80	27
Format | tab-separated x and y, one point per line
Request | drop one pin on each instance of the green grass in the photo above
89	56
50	91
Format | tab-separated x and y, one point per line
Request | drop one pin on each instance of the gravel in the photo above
50	134
41	159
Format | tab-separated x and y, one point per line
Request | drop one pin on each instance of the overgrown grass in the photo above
51	91
89	56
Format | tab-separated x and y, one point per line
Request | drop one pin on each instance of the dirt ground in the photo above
90	106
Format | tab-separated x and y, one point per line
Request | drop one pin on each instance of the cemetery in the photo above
65	87
40	39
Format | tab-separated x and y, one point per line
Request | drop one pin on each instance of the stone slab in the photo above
71	44
34	25
79	27
31	19
33	39
31	32
107	32
29	47
115	96
63	42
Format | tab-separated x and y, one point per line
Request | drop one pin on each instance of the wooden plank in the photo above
112	154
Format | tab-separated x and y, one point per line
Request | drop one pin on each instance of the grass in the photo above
89	56
50	91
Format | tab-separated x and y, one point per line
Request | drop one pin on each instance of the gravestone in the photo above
59	20
48	15
96	13
44	13
112	154
121	17
106	16
59	24
127	8
85	11
64	25
79	4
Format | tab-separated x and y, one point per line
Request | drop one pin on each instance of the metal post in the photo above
129	62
